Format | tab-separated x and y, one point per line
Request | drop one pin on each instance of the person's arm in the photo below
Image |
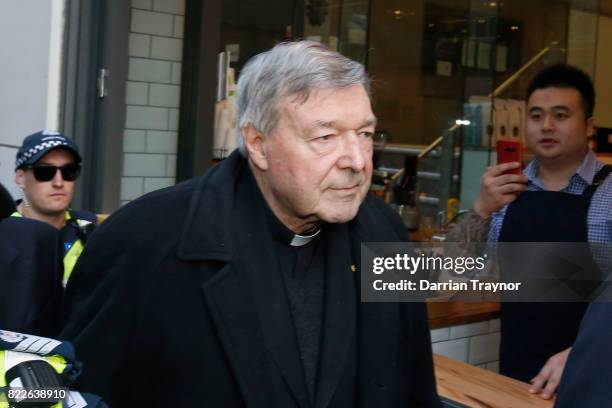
469	228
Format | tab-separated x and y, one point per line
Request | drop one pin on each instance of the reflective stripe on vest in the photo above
70	260
72	256
57	362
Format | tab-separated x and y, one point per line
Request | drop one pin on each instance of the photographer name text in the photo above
450	285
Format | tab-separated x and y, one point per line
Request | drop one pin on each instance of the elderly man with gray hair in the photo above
239	288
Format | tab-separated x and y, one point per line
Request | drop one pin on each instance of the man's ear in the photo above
20	178
255	144
590	127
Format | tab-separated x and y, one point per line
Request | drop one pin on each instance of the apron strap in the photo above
599	178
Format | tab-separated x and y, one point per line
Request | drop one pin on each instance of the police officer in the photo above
46	168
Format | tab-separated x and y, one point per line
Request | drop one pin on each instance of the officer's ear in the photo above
255	144
20	178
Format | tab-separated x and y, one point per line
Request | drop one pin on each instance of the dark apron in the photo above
533	332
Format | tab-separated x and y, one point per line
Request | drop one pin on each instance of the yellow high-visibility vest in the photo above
57	362
72	255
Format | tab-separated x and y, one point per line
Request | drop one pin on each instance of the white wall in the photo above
474	343
589	49
25	27
152	96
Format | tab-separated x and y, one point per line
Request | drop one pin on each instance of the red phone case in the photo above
510	151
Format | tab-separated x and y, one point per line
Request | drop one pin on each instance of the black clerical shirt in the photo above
303	270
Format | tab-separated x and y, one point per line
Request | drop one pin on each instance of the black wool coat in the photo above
586	376
177	301
30	277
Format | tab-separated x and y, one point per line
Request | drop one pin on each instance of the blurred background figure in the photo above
7	206
30	276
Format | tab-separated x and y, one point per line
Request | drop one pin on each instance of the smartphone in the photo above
510	150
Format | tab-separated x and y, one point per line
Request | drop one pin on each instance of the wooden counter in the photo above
444	314
475	387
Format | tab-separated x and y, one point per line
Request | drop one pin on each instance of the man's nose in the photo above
57	180
354	155
548	123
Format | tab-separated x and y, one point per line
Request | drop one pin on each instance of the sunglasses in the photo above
45	172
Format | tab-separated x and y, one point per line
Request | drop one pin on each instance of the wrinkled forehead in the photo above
302	95
326	106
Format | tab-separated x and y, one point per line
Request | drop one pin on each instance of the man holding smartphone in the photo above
47	166
563	195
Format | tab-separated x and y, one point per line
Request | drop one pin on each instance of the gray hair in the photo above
290	68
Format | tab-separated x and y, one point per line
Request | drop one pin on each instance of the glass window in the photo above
432	62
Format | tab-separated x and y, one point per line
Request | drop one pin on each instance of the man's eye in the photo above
535	117
561	115
367	135
324	138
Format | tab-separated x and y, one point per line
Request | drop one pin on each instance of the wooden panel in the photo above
605	158
605	7
476	387
444	314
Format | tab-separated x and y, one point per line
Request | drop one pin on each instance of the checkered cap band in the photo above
25	156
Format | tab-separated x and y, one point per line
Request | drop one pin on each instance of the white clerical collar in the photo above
299	240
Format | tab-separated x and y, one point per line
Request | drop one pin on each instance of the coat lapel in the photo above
249	305
247	297
274	314
231	307
260	265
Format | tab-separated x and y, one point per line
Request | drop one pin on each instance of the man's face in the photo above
318	160
556	125
48	197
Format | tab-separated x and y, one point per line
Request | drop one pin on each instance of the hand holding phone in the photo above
501	184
